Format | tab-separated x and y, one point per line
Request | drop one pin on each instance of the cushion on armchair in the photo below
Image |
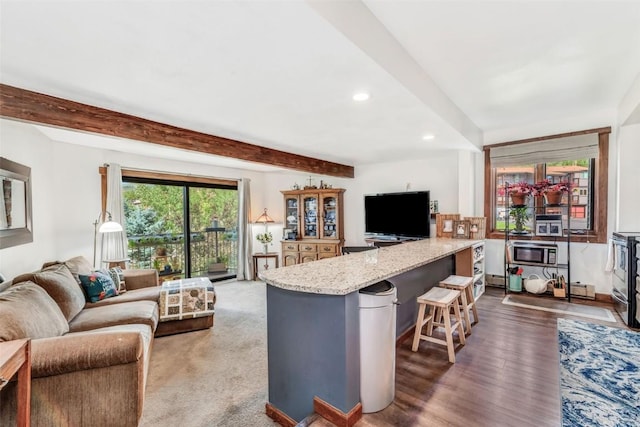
59	283
27	311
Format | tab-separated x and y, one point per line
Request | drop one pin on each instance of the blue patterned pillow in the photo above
98	286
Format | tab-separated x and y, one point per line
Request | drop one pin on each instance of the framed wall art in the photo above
461	229
16	226
444	224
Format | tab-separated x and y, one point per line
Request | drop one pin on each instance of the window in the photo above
578	212
580	158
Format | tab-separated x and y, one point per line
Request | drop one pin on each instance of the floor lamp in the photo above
108	226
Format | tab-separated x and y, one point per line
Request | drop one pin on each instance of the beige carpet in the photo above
216	377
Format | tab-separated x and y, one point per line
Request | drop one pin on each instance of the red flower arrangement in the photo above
546	186
562	186
522	188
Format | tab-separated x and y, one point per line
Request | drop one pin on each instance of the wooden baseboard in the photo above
405	335
335	415
278	416
604	298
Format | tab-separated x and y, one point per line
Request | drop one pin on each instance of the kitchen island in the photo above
313	324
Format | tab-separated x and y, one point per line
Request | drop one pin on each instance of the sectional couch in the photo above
89	360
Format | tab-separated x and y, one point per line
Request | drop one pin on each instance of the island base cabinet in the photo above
313	351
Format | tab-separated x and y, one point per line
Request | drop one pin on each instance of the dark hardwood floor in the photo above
507	374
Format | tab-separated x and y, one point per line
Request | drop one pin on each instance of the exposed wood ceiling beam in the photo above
35	107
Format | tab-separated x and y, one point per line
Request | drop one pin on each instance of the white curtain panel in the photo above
245	235
114	245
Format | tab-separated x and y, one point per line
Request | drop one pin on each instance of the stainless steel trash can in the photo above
377	346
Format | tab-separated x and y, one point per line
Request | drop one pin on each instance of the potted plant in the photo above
520	216
553	191
520	191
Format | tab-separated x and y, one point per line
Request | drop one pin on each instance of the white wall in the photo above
629	108
438	174
466	183
29	147
66	192
629	178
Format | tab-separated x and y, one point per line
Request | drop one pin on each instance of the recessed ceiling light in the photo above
361	96
428	137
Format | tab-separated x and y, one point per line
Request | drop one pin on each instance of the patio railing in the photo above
165	252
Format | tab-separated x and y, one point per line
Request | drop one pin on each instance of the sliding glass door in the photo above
182	229
213	220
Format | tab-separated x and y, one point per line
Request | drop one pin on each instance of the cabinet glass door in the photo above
310	216
291	217
329	217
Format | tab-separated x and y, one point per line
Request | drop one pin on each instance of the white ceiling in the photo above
282	73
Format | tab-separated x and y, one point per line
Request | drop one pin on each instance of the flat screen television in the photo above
398	214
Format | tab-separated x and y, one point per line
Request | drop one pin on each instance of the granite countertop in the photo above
345	274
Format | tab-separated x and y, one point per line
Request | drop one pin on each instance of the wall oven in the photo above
625	272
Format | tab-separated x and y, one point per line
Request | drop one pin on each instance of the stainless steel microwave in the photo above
535	253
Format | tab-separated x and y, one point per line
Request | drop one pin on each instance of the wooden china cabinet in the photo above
313	223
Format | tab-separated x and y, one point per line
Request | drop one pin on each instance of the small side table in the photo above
122	263
266	257
15	356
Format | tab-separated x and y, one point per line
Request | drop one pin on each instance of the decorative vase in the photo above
266	247
519	199
553	197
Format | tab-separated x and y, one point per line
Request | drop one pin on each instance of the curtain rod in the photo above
174	173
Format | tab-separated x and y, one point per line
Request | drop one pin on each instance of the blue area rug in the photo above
599	375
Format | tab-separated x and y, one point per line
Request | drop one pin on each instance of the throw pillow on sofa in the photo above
117	275
61	286
98	286
77	265
27	311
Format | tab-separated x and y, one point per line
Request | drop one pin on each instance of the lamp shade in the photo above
264	218
109	227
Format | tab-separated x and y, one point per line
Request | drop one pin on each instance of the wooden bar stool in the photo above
467	302
440	301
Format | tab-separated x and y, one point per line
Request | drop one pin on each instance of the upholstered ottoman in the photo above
186	305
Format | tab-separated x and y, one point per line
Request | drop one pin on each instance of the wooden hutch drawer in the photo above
308	247
323	255
289	247
327	248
